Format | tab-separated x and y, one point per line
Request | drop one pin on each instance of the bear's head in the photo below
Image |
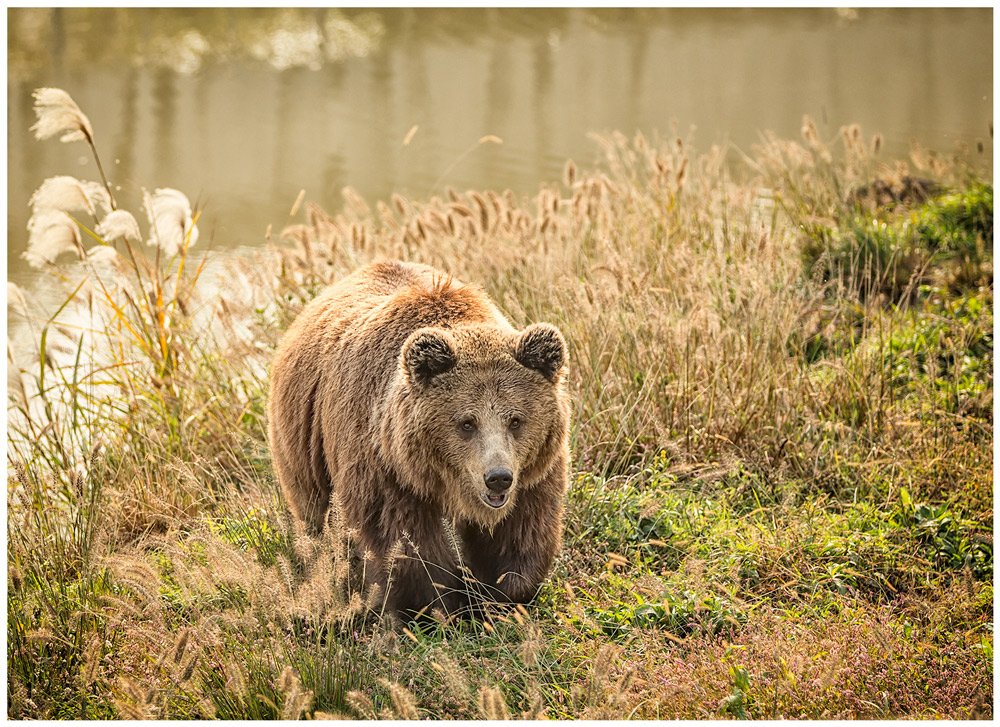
477	414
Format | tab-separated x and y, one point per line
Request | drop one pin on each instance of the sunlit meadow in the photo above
781	503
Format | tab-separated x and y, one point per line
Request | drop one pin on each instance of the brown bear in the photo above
410	398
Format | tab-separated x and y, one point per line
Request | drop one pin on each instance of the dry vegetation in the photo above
782	502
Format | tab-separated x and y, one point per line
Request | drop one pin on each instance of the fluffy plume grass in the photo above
781	503
119	224
171	224
58	114
51	233
68	194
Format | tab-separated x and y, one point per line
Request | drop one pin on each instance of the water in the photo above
242	108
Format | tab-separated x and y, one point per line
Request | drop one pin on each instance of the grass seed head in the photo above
51	233
404	705
119	224
491	704
58	113
172	223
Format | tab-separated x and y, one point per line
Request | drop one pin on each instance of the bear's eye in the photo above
515	423
467	426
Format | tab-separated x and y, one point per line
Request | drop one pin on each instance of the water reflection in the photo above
241	108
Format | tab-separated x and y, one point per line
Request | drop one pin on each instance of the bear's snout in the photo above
499	479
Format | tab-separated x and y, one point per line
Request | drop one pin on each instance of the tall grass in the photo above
782	492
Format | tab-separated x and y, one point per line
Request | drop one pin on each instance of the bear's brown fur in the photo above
409	397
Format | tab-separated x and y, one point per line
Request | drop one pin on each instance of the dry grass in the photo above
783	495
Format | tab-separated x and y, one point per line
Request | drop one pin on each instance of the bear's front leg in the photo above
417	568
513	560
420	581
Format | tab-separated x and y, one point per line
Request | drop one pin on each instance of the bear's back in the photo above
368	315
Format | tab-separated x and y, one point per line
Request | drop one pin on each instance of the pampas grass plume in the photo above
170	219
58	114
103	255
69	194
50	234
119	224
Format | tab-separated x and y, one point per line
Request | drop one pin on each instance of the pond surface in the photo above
242	108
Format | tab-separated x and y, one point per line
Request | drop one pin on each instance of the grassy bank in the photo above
782	496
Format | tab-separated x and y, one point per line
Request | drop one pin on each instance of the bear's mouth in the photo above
494	499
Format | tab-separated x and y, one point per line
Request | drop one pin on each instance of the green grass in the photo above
946	241
781	503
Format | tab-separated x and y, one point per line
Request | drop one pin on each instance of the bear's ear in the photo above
541	347
427	353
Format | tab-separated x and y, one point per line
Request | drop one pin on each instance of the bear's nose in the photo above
499	479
